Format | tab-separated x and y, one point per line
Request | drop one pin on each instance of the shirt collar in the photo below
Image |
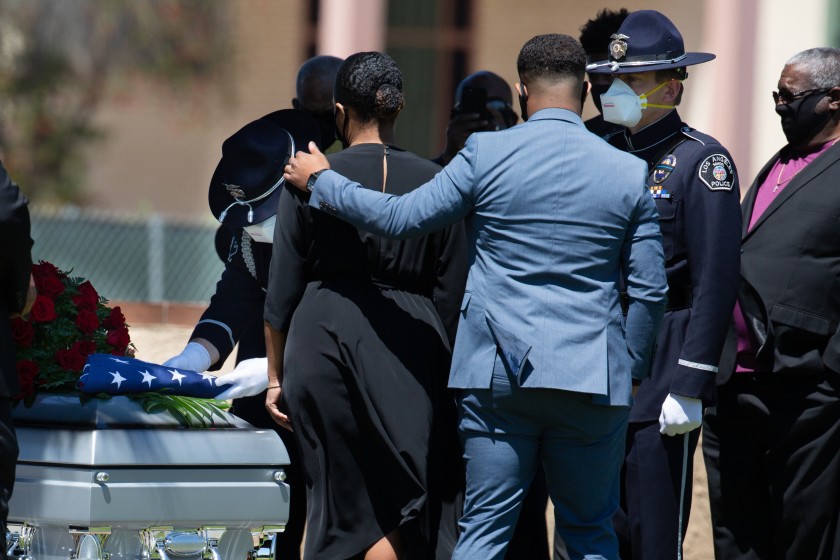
654	133
555	113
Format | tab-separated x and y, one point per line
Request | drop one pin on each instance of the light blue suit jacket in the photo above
554	217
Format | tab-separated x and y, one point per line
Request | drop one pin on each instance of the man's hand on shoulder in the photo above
302	165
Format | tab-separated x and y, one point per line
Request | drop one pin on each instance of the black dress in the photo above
369	323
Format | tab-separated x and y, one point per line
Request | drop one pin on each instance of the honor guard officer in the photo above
243	196
693	182
241	201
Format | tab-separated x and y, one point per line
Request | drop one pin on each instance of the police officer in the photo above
694	184
243	196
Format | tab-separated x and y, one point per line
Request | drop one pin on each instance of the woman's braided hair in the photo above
371	84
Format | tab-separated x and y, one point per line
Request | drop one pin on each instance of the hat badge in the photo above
618	46
235	191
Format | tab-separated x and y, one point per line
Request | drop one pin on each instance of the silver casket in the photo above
105	479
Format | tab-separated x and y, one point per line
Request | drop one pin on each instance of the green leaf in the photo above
190	412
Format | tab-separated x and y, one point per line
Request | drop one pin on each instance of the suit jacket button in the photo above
322	205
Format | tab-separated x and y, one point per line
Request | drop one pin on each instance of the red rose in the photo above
44	269
84	347
70	360
119	339
115	320
43	310
50	286
23	333
86	298
27	371
87	321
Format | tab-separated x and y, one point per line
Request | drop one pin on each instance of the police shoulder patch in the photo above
717	172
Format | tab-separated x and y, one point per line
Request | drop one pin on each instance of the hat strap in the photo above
263	195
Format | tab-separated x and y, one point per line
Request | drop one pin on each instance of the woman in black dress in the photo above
360	330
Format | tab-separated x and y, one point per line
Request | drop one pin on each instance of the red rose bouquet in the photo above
68	322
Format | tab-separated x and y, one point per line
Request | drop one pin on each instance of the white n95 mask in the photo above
262	232
622	106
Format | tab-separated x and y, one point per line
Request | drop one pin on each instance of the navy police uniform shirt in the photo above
236	308
695	186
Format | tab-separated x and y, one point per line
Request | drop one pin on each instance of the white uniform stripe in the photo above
695	365
224	326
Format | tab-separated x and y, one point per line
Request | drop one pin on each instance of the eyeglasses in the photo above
785	97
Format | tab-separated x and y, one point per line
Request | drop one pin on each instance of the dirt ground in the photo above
156	343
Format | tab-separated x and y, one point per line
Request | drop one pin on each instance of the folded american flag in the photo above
120	375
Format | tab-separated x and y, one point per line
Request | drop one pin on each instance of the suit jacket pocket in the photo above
513	350
800	338
792	317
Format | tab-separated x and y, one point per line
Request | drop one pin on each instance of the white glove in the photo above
194	357
680	414
249	378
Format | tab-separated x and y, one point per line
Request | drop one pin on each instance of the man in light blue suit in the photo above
544	356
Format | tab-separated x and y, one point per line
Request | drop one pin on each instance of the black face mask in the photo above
523	106
597	91
799	120
340	134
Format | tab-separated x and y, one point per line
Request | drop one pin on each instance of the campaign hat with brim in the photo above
247	182
646	41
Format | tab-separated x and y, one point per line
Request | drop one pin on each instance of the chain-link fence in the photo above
128	257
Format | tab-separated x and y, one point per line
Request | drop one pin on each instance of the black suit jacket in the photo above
15	267
790	273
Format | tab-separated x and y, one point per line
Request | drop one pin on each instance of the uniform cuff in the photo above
694	380
219	335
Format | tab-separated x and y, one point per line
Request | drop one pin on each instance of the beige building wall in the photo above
728	98
502	27
784	29
162	148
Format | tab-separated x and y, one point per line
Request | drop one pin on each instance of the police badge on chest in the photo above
661	172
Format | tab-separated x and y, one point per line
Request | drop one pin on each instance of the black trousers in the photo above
772	452
8	460
655	478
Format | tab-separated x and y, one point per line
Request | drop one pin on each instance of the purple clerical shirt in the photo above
786	168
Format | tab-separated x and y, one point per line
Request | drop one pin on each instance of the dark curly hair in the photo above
551	57
596	33
371	84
